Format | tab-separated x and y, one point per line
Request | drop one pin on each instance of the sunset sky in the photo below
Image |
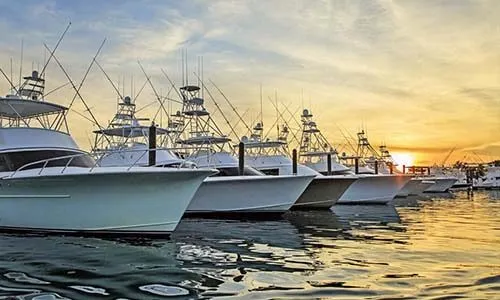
421	76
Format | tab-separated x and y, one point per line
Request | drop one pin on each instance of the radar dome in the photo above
34	74
127	100
244	139
305	112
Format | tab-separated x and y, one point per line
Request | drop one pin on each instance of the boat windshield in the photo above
11	161
234	171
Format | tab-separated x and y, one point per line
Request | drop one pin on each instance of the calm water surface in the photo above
435	247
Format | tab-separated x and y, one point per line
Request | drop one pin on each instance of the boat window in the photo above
234	171
14	160
273	172
171	165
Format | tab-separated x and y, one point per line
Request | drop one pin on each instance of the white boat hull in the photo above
106	201
375	189
324	191
441	185
415	186
248	194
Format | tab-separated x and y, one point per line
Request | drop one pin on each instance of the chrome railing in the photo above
101	154
97	162
46	162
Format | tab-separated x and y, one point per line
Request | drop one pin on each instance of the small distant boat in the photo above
47	184
490	180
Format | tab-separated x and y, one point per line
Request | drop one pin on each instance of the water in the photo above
439	247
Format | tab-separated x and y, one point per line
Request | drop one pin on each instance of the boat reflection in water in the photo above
366	213
316	223
253	253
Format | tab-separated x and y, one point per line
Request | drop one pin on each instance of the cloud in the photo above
421	74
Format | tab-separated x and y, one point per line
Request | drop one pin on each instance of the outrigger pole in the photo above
77	90
155	92
219	109
55	48
232	106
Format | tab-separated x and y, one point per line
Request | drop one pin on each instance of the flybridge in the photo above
28	108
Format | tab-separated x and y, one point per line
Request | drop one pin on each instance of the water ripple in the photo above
163	290
432	247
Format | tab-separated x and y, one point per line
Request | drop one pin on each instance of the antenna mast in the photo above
277	112
261	114
11	69
186	82
21	66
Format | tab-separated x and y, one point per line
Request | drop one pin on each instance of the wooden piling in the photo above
152	145
329	164
294	161
241	158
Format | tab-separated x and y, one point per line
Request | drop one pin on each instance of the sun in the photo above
403	158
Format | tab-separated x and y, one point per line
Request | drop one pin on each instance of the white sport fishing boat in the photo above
441	181
490	180
368	188
49	185
233	190
415	187
387	165
271	157
441	184
126	141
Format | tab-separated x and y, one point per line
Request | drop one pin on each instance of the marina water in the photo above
435	247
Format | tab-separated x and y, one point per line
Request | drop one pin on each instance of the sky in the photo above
420	76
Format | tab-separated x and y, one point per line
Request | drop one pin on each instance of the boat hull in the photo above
323	192
461	185
248	194
415	186
374	189
150	202
441	185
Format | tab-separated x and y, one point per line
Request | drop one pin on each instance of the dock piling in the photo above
152	145
329	164
294	161
241	158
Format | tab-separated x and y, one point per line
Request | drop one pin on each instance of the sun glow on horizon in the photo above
403	158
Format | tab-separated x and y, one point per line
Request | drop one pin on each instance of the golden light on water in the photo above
403	158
